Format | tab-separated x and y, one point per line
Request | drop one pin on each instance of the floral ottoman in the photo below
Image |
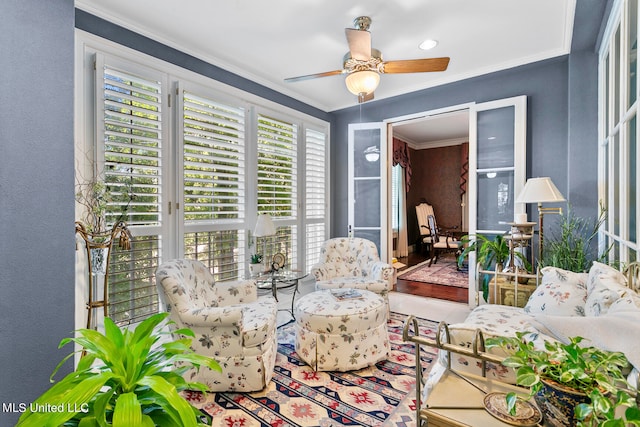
341	334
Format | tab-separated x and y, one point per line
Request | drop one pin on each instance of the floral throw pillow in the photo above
597	269
558	275
605	289
558	299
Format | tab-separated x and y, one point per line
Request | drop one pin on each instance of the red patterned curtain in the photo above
464	170
401	157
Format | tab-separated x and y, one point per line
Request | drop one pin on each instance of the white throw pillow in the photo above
605	290
558	299
597	269
558	275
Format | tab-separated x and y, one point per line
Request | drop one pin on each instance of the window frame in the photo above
173	230
618	129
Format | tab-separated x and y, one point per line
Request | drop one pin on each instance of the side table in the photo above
280	280
457	401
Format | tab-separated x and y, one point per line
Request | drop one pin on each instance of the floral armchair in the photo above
352	263
231	324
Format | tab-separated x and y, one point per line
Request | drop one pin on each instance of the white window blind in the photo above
214	184
315	194
132	147
214	160
395	196
277	167
130	114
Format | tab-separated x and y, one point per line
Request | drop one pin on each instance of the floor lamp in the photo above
264	228
541	190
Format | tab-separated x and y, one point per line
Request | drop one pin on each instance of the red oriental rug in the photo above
444	272
380	395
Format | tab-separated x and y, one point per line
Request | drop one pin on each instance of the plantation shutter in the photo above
277	183
132	147
315	195
214	161
214	184
130	132
277	167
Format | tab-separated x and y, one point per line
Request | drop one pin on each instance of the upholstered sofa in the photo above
231	324
602	306
352	262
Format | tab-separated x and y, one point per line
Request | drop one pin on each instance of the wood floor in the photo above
449	293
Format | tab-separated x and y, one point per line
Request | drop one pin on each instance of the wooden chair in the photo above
440	244
423	211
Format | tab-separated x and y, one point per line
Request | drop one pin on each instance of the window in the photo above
618	154
278	183
190	162
213	183
316	199
130	155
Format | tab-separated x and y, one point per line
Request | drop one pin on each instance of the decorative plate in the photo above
527	414
279	260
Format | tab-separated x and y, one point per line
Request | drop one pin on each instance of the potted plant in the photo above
124	378
255	264
570	244
490	253
589	376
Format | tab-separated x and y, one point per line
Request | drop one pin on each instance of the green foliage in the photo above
256	258
489	252
102	205
570	245
590	370
125	378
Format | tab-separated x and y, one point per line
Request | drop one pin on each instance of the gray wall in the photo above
561	124
37	249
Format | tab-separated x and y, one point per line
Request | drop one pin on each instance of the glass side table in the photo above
277	281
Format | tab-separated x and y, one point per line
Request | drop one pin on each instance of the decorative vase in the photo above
557	403
255	269
99	260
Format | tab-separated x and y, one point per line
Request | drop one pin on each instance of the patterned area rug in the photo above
444	272
380	395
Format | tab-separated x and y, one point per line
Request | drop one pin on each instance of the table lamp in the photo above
541	190
264	228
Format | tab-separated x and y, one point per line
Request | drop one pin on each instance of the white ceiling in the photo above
434	131
268	41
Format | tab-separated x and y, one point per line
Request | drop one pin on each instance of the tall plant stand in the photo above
98	252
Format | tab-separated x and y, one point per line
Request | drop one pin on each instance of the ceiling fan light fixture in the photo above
428	44
362	82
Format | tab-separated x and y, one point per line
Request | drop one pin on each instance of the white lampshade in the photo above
540	190
362	82
264	226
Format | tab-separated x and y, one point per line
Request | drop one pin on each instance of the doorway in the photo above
438	149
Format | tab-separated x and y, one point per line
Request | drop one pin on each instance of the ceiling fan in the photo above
363	64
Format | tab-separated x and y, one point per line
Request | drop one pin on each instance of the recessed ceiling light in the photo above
428	44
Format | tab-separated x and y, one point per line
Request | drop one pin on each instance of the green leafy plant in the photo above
490	252
256	258
589	370
570	244
124	378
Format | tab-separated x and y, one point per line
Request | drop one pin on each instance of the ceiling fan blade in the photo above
313	76
416	65
359	43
